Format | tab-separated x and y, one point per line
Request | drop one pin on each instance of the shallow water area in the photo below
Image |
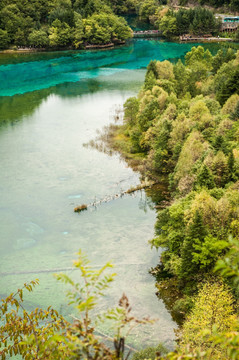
51	105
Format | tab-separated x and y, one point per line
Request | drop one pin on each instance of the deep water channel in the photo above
50	105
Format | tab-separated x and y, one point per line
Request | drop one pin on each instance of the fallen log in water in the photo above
109	198
80	208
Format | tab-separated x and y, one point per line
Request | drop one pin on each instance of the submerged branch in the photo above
109	198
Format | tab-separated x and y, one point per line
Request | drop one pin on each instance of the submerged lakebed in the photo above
50	105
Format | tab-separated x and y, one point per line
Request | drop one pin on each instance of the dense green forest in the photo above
76	23
184	124
196	21
122	6
230	4
60	23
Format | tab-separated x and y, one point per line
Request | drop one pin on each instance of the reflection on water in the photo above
50	69
46	172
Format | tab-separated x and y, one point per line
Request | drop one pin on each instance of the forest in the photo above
184	124
78	23
231	4
197	21
60	23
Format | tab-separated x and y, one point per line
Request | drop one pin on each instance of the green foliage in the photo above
196	21
147	8
229	86
122	6
4	39
222	57
192	247
194	139
131	108
44	334
38	38
211	329
60	34
168	26
152	353
229	266
87	8
86	294
60	23
205	178
94	29
39	334
78	32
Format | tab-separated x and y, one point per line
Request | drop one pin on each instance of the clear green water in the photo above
23	73
51	104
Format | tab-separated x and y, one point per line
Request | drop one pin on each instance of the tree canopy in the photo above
60	23
184	123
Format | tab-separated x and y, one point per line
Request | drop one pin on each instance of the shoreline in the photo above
113	45
86	47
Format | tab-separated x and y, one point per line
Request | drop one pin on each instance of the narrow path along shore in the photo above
203	39
86	47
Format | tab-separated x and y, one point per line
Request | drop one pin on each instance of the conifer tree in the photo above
205	177
230	165
196	235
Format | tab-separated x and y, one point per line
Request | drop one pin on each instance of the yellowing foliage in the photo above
165	70
230	105
213	309
193	148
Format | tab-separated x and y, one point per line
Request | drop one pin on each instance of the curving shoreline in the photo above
86	47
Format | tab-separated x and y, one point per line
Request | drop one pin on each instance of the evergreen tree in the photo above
196	235
235	115
230	165
219	143
205	177
150	80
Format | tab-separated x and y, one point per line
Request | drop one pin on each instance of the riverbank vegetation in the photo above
227	5
60	24
175	22
75	24
210	331
174	19
184	122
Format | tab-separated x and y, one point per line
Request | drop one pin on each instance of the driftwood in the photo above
109	198
80	208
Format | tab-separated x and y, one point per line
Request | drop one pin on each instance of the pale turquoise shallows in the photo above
51	104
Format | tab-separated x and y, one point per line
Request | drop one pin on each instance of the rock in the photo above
24	243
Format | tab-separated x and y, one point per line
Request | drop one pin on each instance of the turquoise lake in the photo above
51	104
